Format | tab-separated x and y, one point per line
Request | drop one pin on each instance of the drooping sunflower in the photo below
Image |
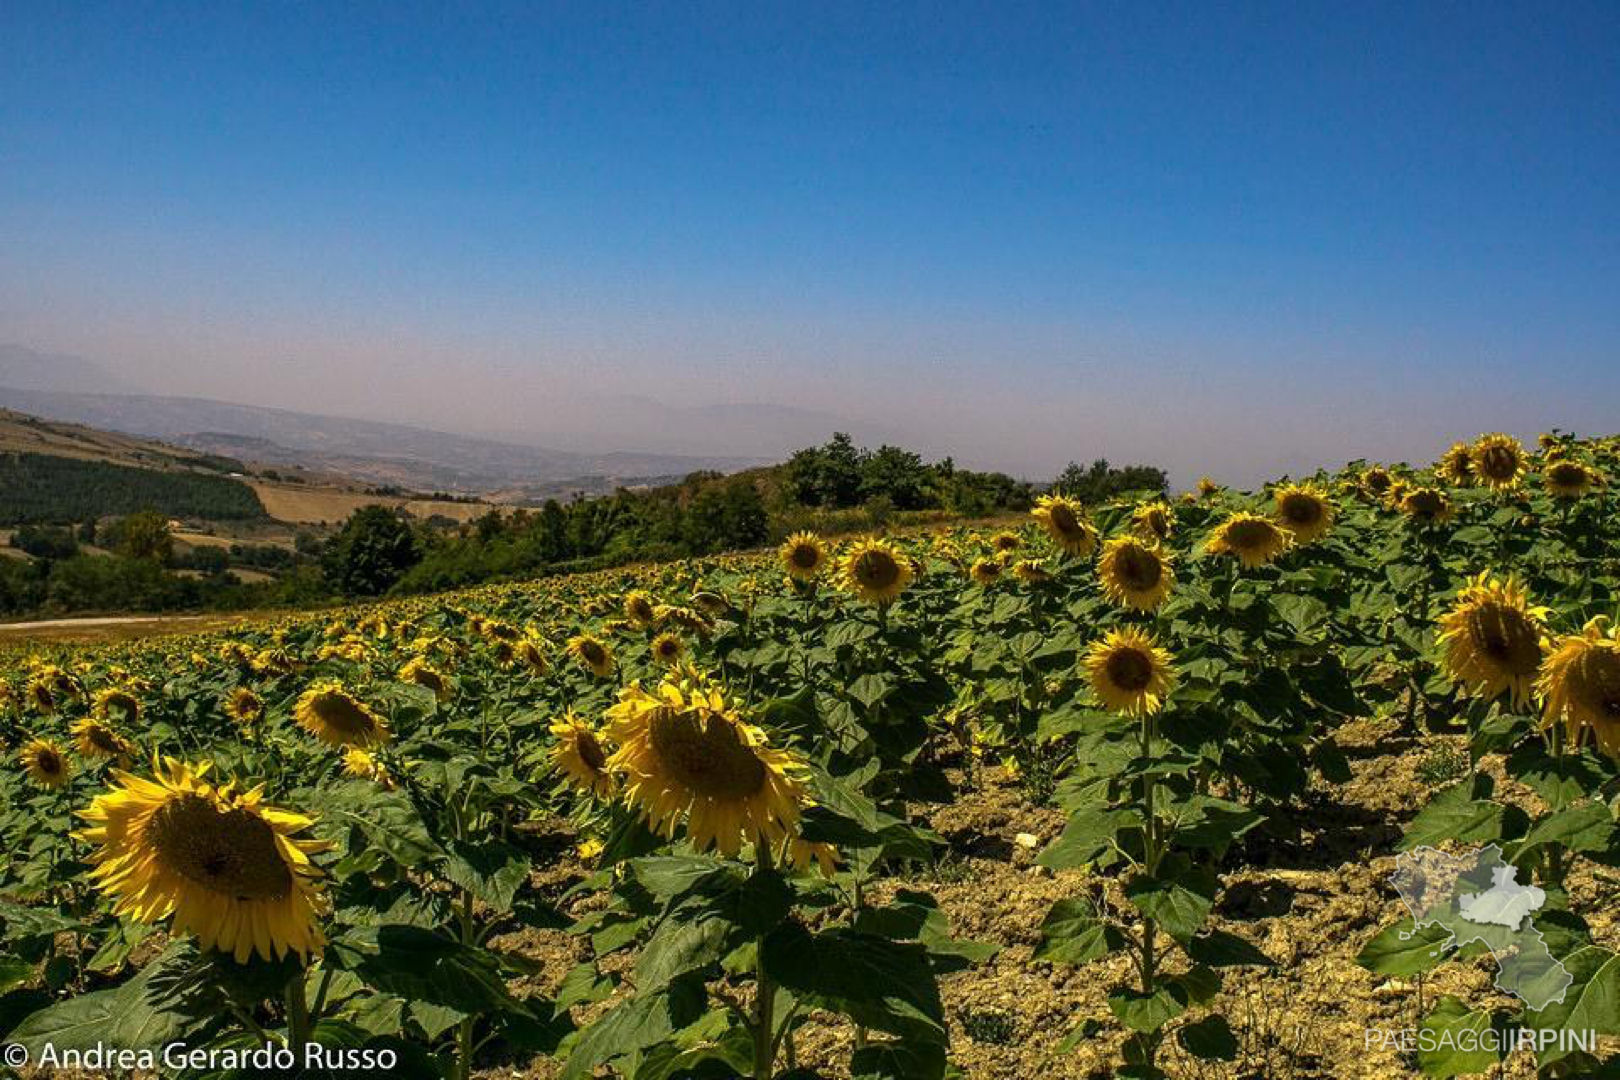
418	672
1498	460
639	609
1376	480
1456	465
1130	672
803	555
877	572
1580	682
1304	510
686	751
985	572
227	867
668	648
116	701
96	739
1426	506
1134	573
1492	639
710	602
1153	520
45	762
1569	479
1031	572
1252	539
331	714
244	707
1005	541
592	653
581	757
1065	521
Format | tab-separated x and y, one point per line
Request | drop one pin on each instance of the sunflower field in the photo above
1109	790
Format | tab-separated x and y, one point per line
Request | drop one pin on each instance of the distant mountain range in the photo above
421	459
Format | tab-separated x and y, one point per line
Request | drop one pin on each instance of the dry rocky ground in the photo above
1310	899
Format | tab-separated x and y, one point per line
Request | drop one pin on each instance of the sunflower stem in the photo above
765	993
297	1014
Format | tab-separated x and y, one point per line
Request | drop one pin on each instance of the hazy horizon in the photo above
1240	244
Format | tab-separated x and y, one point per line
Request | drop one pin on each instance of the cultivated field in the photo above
304	505
1116	790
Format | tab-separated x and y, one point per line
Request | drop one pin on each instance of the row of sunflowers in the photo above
318	831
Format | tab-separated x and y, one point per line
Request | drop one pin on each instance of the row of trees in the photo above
43	489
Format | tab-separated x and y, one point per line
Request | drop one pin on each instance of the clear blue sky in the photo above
1235	238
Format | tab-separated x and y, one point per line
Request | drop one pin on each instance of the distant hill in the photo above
25	369
396	455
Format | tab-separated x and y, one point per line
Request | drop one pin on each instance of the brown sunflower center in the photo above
1138	568
1498	462
1506	637
1425	504
877	569
590	751
1063	519
1301	509
1567	474
47	761
103	740
232	852
592	653
1130	669
805	556
704	751
1250	535
1596	682
342	714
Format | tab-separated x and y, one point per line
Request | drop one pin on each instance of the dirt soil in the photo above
1309	900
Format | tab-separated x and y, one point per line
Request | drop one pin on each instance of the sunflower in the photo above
361	765
686	750
1498	461
1580	682
418	672
1492	639
1426	506
1134	573
592	653
95	739
581	757
221	862
668	648
877	572
710	603
1207	488
1153	520
803	555
1255	540
1006	541
532	651
985	572
1376	480
41	696
1031	572
45	762
1129	672
639	609
244	707
328	712
800	854
1456	465
116	700
1304	511
1569	479
1065	521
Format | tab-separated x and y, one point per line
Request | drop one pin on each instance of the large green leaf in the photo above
493	871
1457	1042
422	965
1178	901
877	982
1404	950
1074	933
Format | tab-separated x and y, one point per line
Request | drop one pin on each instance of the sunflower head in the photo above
1498	461
1304	511
96	739
1456	465
1153	520
1426	506
1253	540
334	716
668	648
1580	683
580	755
362	765
244	707
686	751
1207	488
45	762
532	652
803	555
1005	541
116	702
985	572
592	653
639	609
1376	480
1569	479
1065	522
226	867
1129	672
1492	639
418	672
1135	573
1031	572
877	572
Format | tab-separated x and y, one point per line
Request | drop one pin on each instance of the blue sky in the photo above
1241	239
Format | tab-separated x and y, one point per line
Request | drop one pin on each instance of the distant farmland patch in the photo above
41	489
299	505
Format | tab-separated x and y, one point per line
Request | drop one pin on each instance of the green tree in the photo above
141	535
374	549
